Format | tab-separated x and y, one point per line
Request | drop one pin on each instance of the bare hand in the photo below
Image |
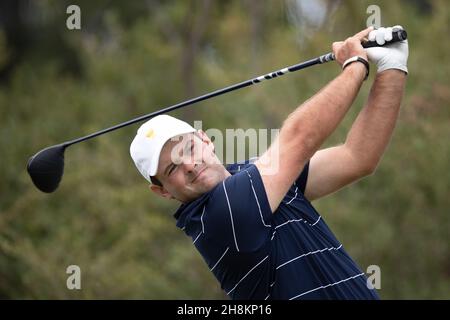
344	50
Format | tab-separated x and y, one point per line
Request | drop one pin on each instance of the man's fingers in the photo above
383	35
388	34
363	34
380	36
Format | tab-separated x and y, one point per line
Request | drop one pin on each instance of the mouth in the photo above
198	174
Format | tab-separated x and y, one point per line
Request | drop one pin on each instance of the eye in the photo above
174	166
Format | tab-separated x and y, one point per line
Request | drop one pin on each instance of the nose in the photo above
190	165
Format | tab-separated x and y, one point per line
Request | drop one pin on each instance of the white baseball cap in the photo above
150	139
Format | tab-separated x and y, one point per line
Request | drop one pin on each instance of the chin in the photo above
208	184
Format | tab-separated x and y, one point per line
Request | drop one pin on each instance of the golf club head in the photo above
47	167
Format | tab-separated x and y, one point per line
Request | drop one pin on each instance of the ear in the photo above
160	191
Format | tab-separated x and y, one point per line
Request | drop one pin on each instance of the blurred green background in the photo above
134	57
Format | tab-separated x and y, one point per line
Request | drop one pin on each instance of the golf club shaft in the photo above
216	93
396	36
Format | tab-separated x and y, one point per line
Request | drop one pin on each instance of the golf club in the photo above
46	167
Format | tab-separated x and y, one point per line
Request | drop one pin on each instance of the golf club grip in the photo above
397	35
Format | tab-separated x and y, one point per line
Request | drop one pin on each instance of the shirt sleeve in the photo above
303	178
238	213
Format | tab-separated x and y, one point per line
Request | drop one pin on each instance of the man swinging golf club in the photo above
255	227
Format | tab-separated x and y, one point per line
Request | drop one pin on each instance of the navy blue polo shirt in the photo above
256	254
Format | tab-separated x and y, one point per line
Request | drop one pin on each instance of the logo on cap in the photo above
150	134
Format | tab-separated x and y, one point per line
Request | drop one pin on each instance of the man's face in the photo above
188	167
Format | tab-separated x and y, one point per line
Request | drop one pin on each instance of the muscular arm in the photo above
305	130
372	130
333	168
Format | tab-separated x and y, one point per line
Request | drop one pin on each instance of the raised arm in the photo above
310	124
332	168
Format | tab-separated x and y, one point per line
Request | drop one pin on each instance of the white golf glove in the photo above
392	56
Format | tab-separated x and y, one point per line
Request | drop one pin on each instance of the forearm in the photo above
371	132
310	124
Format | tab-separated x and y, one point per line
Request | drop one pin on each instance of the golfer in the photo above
253	222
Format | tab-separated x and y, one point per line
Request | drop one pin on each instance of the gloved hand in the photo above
392	56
